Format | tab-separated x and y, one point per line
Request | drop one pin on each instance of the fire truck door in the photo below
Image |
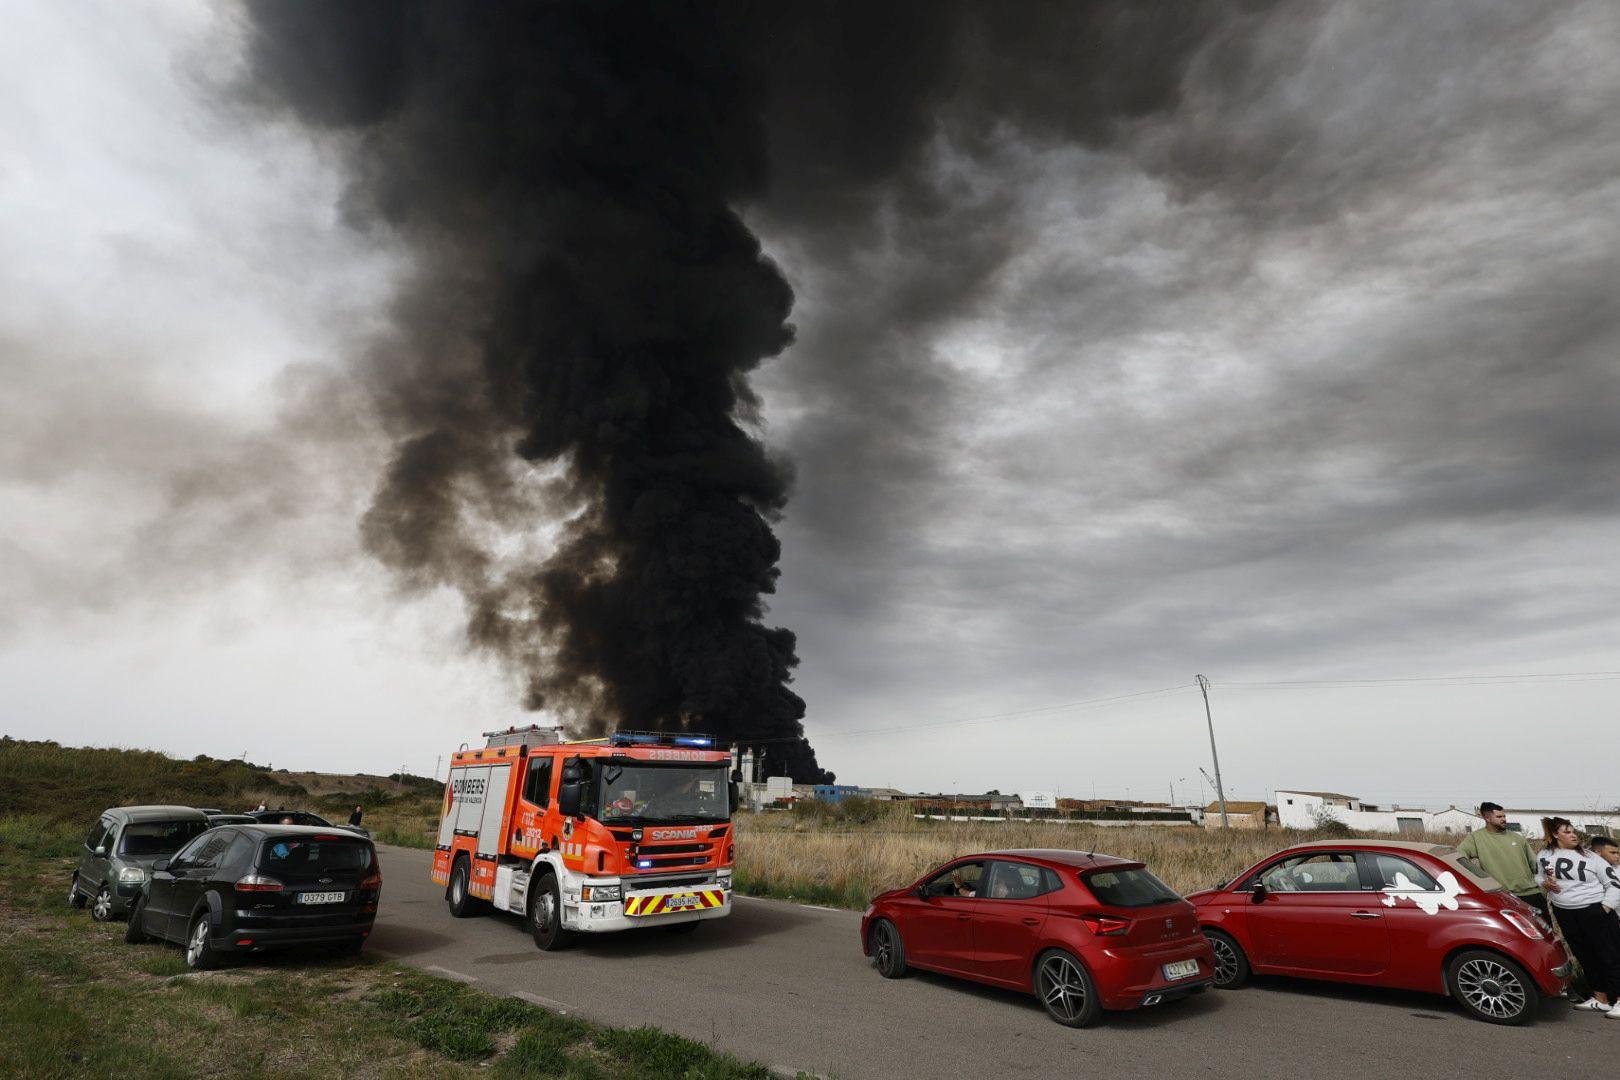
467	786
489	830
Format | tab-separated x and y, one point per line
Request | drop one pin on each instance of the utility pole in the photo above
1220	791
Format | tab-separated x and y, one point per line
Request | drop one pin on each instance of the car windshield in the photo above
142	839
666	793
293	857
1129	888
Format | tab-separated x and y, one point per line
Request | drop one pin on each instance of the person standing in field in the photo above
1584	905
1607	850
354	818
1506	856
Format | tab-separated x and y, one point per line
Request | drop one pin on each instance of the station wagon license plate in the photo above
320	898
1181	969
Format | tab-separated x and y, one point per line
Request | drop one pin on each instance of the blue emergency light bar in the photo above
658	738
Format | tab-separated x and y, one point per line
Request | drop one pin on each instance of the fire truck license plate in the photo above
676	903
1181	969
320	898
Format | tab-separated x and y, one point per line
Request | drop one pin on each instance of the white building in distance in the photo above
1313	809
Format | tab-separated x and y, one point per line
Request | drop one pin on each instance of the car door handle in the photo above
1032	922
1365	915
964	917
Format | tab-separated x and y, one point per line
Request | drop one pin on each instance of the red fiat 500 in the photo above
1081	932
1385	913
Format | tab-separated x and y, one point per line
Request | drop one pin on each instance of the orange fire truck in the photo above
589	837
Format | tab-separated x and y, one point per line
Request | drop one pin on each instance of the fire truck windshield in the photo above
664	793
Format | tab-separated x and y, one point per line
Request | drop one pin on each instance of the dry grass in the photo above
818	858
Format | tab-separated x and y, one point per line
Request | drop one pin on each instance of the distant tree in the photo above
1328	823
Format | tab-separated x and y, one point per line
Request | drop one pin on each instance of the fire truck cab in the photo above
589	837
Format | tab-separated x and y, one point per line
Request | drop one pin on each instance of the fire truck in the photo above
589	837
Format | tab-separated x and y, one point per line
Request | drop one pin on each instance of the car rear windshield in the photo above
1129	888
294	857
145	838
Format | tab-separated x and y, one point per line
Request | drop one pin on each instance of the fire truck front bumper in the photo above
654	907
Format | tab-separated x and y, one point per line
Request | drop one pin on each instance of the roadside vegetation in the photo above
72	784
81	1003
843	854
836	854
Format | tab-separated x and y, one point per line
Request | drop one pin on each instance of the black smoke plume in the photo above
589	301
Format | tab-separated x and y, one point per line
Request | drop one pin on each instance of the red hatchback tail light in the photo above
1106	925
257	883
1524	924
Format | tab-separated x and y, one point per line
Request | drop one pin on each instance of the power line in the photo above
1477	680
1281	684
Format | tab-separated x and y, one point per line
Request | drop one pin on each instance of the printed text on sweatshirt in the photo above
1583	879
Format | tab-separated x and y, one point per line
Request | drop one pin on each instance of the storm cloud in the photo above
1268	340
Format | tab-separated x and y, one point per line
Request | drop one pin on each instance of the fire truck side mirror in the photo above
569	798
733	790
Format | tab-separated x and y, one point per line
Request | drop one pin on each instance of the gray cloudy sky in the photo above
1313	375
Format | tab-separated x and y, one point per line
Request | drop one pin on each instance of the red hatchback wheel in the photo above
888	951
1066	990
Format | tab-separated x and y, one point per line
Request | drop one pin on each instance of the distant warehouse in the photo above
1314	809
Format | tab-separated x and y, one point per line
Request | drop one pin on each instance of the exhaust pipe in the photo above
1151	999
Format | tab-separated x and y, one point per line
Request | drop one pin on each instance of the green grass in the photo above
79	1003
74	784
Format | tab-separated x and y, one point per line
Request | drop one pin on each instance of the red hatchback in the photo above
1385	913
1082	932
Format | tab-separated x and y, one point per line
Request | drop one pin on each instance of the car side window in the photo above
960	880
1014	881
1396	872
190	855
241	845
210	853
98	835
537	786
1325	871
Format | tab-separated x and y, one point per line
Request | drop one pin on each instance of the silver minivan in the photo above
119	852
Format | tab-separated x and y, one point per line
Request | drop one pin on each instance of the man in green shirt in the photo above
1505	855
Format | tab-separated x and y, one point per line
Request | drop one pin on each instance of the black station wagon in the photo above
247	888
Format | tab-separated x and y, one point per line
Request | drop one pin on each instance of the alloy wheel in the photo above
1491	988
1063	988
198	942
883	941
103	905
1226	961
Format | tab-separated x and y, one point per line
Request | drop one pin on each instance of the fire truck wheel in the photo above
458	894
888	951
545	915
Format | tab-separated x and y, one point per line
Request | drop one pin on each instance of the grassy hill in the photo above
70	785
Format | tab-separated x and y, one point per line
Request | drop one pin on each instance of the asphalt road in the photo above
787	985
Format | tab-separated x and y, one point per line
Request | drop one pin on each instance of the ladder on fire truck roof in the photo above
536	735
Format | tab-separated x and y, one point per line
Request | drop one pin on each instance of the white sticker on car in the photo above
1427	900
